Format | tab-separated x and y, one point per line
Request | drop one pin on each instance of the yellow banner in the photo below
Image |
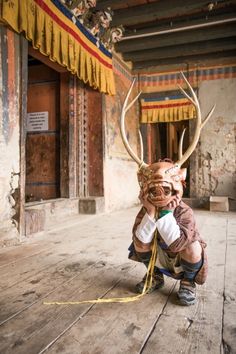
52	30
173	109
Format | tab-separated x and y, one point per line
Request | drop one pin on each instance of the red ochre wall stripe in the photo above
170	105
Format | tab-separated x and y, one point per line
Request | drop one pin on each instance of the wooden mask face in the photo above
161	182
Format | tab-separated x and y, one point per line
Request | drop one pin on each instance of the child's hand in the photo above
173	204
150	208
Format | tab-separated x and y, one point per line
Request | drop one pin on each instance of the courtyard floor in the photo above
86	258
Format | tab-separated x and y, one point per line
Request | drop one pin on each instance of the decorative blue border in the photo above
197	73
66	12
170	97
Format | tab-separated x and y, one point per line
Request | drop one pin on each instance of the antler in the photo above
180	149
124	110
199	123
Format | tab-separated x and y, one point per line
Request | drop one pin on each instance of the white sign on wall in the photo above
37	121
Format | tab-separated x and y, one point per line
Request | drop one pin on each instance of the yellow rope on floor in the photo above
147	285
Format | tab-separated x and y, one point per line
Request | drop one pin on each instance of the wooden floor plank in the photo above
115	328
18	253
34	289
42	323
52	254
31	266
57	250
39	275
198	328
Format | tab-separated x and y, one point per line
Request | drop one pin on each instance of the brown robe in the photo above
188	234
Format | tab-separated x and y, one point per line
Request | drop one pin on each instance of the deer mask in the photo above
161	181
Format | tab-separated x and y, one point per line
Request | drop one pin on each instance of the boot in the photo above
187	292
157	282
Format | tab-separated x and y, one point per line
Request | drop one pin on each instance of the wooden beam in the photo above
176	24
149	69
113	4
184	61
190	36
45	60
196	48
161	10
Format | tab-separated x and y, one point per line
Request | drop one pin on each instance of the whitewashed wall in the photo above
9	135
120	171
214	163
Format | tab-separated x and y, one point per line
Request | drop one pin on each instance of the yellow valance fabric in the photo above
172	109
49	26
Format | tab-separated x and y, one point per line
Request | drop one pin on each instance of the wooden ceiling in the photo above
165	34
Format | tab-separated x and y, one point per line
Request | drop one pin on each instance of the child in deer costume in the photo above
165	219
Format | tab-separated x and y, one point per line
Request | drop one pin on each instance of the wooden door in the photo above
174	131
162	140
43	142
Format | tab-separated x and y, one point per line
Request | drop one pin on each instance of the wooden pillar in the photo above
170	140
149	143
82	140
68	136
73	138
23	121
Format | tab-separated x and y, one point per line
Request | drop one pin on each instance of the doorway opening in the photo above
161	141
43	132
61	149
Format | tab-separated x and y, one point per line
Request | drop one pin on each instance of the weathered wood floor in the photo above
89	260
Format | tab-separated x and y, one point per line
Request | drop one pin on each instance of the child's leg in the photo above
191	262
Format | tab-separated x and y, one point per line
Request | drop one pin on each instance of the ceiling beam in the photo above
196	35
196	48
161	10
184	61
104	4
177	26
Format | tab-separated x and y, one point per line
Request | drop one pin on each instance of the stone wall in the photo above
9	134
213	169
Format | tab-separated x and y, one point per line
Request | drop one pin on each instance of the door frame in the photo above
68	128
